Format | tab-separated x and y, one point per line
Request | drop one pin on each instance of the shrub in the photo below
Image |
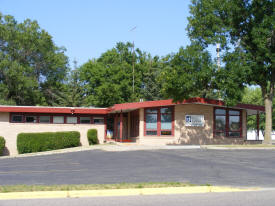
92	136
2	145
38	142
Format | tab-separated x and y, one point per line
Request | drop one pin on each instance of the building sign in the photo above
194	120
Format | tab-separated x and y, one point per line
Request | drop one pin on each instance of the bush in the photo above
38	142
92	136
2	145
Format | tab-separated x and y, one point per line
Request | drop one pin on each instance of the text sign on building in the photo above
194	120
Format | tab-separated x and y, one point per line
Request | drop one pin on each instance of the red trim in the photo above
52	110
124	106
159	122
168	102
227	130
251	106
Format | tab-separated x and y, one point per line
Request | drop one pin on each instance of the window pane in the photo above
166	133
234	112
220	123
166	110
17	118
151	132
151	111
85	120
44	119
58	119
234	134
98	120
31	119
72	120
234	123
151	121
166	121
220	111
220	134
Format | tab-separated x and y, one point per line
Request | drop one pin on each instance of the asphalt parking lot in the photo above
198	166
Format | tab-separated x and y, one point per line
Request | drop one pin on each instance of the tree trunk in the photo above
268	120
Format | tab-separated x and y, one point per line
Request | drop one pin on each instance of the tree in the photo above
108	79
31	65
254	96
188	73
244	28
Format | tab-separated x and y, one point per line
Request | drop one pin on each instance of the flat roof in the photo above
60	110
124	107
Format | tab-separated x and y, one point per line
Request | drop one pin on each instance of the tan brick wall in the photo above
10	131
191	135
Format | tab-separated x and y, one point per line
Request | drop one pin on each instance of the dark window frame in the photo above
159	130
227	126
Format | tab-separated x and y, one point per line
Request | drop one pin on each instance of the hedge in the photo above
38	142
92	136
2	145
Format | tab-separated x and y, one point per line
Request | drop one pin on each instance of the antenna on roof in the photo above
133	61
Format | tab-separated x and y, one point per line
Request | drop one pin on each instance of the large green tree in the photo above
31	65
254	96
108	80
246	31
189	73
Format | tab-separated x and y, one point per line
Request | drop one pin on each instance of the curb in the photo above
121	192
237	148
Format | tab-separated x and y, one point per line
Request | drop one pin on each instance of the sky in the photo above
87	28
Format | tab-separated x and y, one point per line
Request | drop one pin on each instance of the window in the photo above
31	119
166	121
72	120
227	123
85	120
17	118
98	120
158	121
151	121
58	119
44	119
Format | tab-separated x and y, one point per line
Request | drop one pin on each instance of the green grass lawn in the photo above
30	188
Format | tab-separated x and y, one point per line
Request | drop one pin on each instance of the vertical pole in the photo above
258	126
129	126
115	127
121	127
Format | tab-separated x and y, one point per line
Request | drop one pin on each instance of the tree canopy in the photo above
31	65
245	30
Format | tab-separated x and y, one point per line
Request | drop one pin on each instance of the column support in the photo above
258	126
121	126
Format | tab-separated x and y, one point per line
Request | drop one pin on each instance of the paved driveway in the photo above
199	166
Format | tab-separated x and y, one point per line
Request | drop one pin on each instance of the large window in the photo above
159	121
17	118
151	121
56	118
227	123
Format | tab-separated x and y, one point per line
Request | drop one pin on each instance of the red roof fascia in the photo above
251	106
53	110
168	102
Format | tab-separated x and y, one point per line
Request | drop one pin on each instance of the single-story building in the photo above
193	121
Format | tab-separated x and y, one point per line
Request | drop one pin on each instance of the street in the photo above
198	166
265	198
